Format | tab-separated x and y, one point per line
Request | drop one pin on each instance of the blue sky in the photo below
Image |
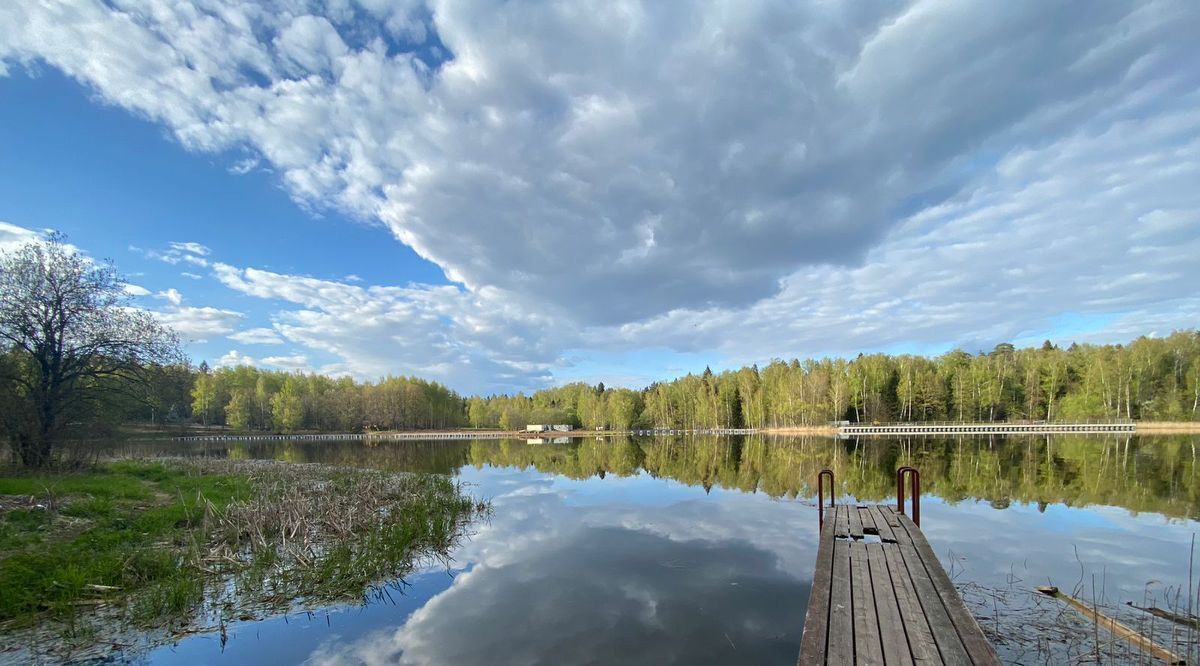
116	184
504	196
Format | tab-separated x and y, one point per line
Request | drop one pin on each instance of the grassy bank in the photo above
177	544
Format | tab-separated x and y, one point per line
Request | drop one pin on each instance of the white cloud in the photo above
759	179
244	166
1031	241
13	237
642	164
293	362
234	358
191	253
199	324
482	341
171	295
257	336
189	248
191	276
135	290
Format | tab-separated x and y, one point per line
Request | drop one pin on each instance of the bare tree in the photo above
72	340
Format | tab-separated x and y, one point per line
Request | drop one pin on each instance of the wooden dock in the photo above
884	429
880	596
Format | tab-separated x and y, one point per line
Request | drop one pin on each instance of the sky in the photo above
507	195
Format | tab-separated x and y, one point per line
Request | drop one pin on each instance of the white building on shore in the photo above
539	427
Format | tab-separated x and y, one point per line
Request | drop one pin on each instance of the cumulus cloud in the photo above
136	290
757	178
294	362
234	358
1034	240
617	147
172	296
485	340
13	237
199	324
257	336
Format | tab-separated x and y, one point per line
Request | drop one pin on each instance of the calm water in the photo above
664	550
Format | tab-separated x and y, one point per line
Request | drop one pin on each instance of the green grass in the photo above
104	527
111	483
139	536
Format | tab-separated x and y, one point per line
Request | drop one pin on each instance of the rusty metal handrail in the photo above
821	495
914	479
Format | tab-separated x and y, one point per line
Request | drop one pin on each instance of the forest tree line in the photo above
1157	475
1149	378
77	360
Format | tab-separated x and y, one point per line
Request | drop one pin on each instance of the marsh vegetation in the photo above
157	549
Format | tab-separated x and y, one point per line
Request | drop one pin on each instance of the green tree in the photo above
204	395
477	412
72	342
287	407
623	408
240	410
1193	380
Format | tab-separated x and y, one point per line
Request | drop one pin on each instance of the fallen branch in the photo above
1115	628
1185	620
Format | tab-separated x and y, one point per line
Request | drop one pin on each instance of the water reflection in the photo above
1140	474
701	550
602	595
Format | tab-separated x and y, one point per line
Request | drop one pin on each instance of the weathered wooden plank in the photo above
890	515
891	627
856	528
977	645
881	523
816	620
841	623
867	519
868	646
944	632
920	637
842	522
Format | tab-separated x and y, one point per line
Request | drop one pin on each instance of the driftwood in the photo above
1115	628
1186	620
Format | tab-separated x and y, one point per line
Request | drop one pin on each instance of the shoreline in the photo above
1166	427
1140	428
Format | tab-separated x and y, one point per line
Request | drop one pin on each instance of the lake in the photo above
701	550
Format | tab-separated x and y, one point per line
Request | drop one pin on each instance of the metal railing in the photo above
914	479
821	495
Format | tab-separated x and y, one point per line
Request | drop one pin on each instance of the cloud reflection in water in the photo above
580	591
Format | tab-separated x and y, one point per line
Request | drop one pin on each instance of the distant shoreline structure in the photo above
869	429
842	429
